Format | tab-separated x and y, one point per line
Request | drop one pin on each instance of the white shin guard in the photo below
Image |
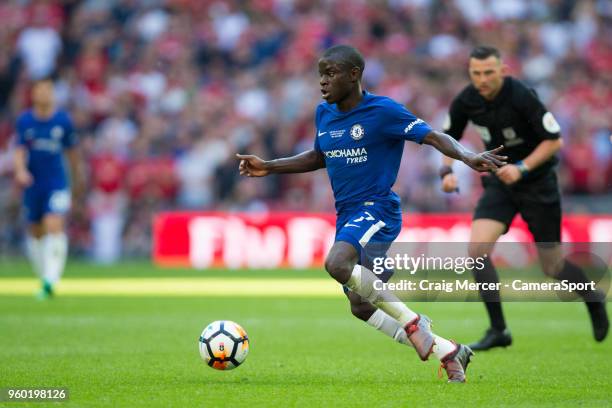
389	326
367	285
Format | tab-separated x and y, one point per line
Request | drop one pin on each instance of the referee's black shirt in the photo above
516	118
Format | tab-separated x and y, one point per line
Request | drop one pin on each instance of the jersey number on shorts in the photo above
368	217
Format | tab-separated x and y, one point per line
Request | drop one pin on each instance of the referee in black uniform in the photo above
506	112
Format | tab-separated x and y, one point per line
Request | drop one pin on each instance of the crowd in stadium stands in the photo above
163	93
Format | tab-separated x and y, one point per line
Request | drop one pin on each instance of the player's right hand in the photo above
251	166
23	178
486	161
449	183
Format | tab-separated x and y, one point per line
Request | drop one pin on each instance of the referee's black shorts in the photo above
538	201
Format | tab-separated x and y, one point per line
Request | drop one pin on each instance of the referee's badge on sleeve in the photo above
550	123
446	125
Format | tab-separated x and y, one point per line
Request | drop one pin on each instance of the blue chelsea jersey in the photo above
45	141
363	147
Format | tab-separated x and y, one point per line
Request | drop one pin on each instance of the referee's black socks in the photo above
491	298
574	274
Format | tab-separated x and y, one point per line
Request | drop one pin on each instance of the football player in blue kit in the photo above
44	134
360	139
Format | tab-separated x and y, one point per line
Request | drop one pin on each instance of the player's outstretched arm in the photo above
253	166
448	146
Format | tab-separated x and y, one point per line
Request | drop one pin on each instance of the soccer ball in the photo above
224	345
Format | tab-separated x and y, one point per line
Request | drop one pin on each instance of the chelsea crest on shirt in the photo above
357	132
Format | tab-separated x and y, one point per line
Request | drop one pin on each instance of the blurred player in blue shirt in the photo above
44	134
360	140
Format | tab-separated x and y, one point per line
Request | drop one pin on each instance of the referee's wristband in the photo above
444	171
522	167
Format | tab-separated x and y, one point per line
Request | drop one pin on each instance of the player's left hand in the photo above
509	174
486	161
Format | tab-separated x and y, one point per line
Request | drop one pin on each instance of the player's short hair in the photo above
485	51
346	55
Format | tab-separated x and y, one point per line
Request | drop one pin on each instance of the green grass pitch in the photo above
124	351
